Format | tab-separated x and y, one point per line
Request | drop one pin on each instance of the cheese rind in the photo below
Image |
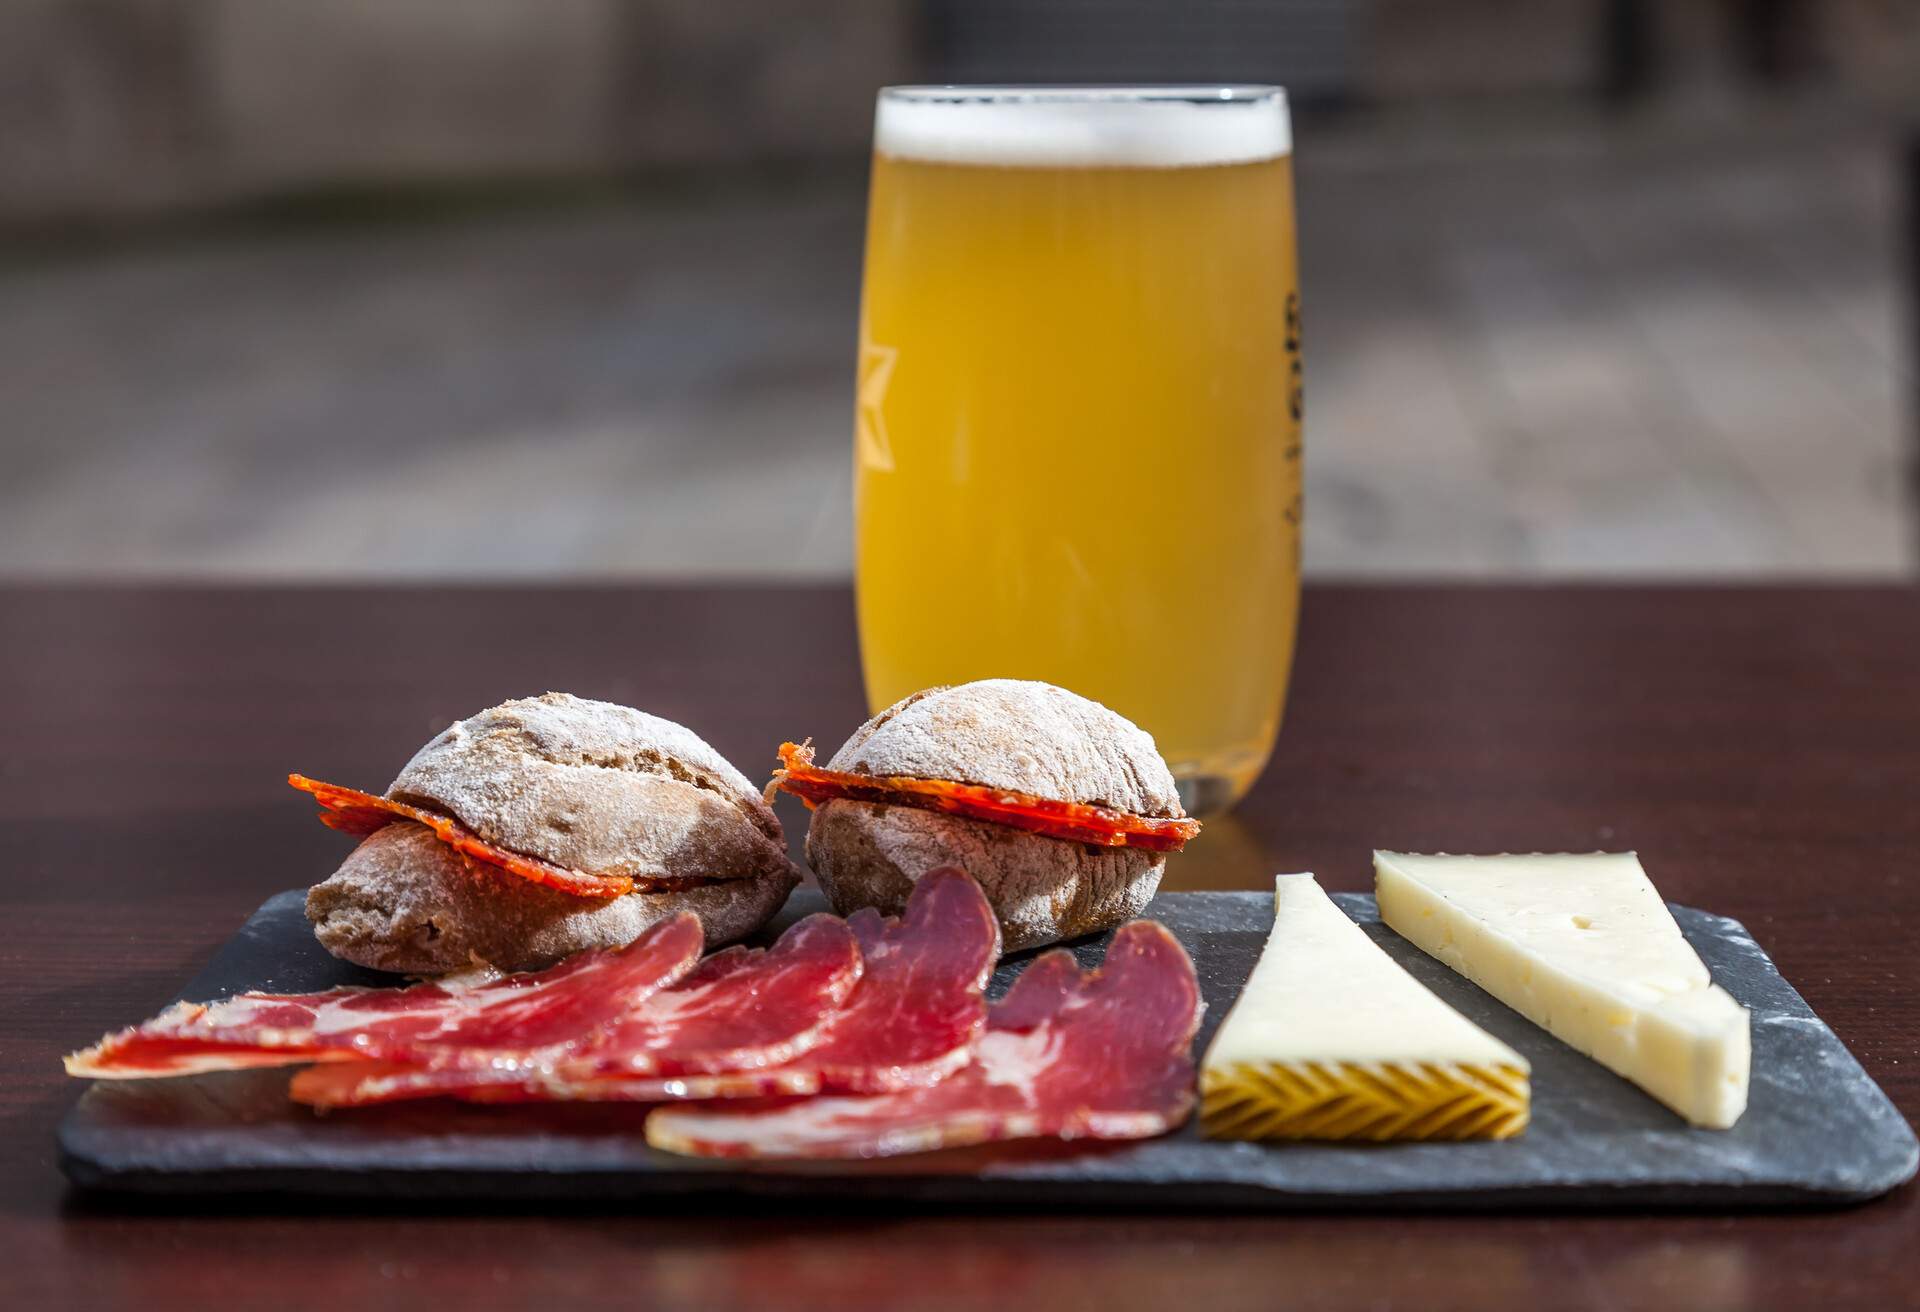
1583	946
1331	1039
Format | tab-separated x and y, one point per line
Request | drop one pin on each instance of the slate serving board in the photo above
1817	1130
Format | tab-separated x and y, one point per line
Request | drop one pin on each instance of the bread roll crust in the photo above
594	786
1004	733
406	902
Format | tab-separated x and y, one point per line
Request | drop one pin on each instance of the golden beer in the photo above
1077	448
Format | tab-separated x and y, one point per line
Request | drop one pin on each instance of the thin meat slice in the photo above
136	1055
741	1009
1077	822
466	1018
353	812
912	1021
1102	1055
928	1007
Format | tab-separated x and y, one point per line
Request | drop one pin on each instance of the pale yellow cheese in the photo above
1584	947
1331	1039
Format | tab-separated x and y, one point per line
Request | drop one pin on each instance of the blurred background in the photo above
556	288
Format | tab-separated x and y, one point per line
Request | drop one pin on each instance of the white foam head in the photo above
1083	127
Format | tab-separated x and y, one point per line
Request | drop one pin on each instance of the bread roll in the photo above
584	784
1004	733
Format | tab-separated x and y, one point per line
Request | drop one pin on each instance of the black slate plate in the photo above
1817	1129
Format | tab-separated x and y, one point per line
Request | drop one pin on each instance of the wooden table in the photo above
1759	746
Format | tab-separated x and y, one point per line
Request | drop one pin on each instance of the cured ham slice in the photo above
467	1018
353	812
740	1009
922	1005
1102	1055
912	1020
1077	822
137	1054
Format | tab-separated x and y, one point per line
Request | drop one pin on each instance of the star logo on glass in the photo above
870	420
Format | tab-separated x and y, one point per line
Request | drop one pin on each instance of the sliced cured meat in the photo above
1078	822
741	1009
911	1022
164	1047
464	1019
1103	1055
353	812
921	1006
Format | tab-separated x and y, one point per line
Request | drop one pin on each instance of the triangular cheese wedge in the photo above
1333	1040
1583	947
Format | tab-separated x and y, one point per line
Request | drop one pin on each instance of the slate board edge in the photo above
87	1171
293	1187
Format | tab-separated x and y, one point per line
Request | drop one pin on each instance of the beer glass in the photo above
1077	443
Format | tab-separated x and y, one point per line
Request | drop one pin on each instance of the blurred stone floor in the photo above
1590	347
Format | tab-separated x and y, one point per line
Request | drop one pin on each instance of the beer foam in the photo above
1083	127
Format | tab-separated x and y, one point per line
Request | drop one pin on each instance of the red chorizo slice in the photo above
353	812
1074	822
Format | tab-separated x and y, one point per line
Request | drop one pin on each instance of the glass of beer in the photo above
1077	443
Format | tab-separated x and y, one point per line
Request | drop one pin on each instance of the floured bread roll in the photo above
585	785
1026	738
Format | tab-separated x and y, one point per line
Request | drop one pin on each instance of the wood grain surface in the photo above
1760	747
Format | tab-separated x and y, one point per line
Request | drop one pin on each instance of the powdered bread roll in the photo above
583	784
594	786
1004	733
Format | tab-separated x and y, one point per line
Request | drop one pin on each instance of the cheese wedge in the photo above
1583	947
1333	1040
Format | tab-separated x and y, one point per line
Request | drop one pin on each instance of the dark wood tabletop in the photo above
1760	747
